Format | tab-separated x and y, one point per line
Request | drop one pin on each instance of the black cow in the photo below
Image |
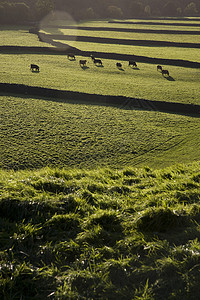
159	68
119	65
132	63
165	72
82	62
71	56
97	61
34	68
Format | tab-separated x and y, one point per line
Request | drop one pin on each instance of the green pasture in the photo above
39	132
190	54
133	35
137	26
57	72
71	234
19	36
78	220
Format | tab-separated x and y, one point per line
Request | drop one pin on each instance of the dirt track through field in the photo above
120	101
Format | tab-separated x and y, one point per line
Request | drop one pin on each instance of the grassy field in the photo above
132	36
104	234
18	36
136	24
155	52
78	219
60	73
37	132
152	51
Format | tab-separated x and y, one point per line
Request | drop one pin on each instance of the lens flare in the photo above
59	29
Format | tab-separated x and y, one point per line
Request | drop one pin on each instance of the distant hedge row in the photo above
14	12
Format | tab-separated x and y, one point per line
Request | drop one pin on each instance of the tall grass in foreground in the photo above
100	234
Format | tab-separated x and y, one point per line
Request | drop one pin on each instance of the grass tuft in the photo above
160	220
104	238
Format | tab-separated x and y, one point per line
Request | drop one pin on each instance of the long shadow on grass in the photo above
99	66
103	40
120	69
84	67
95	99
134	68
157	23
169	78
120	29
64	49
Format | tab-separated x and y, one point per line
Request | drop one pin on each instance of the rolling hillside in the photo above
138	97
99	164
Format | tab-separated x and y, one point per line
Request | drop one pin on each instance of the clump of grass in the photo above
109	220
53	185
62	227
160	220
97	240
89	197
68	203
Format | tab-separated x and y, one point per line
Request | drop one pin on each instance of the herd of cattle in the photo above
97	61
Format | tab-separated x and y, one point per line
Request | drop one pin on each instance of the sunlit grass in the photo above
190	54
19	36
178	38
35	133
140	26
100	234
56	71
91	226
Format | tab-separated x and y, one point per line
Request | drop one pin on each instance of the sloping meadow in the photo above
91	226
59	72
36	133
100	234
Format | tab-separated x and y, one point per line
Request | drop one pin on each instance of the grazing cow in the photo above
159	68
97	61
34	68
82	62
92	57
165	72
71	56
132	63
119	65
